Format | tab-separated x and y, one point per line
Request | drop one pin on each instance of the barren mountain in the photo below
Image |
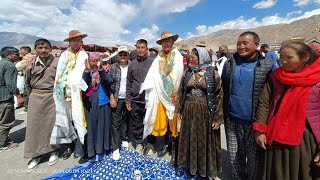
273	34
20	39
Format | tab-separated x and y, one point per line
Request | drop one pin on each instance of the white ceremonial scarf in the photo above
154	91
63	131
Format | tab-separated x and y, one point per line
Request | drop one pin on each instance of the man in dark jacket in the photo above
243	79
224	52
8	88
135	102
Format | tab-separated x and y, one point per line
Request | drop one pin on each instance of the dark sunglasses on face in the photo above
123	54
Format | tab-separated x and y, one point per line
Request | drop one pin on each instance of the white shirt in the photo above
123	82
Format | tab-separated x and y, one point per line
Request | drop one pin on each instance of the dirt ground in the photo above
13	166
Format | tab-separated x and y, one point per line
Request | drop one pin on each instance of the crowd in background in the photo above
169	100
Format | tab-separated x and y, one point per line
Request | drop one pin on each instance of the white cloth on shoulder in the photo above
63	132
154	91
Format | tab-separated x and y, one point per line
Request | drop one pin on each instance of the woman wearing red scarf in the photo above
287	121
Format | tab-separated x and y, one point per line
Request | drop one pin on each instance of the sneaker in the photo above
139	148
116	155
9	145
33	163
125	144
54	157
25	111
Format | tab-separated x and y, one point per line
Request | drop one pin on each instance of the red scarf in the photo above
287	125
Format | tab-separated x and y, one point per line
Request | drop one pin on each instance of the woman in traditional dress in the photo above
287	123
200	108
96	105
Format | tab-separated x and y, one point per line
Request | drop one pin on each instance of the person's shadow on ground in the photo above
18	136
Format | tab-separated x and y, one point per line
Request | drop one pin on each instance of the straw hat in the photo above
165	35
201	44
73	34
184	47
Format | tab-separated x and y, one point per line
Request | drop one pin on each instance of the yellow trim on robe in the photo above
83	113
161	123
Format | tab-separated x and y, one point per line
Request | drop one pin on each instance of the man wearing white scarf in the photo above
161	86
70	122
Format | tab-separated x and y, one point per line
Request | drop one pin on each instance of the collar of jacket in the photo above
7	59
142	58
259	57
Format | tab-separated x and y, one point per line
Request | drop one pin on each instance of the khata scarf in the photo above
165	75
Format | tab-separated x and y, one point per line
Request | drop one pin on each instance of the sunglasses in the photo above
124	54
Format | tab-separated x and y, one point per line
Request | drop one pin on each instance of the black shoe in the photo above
83	159
162	152
75	156
146	150
66	154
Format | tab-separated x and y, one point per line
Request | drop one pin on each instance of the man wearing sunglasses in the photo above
120	114
8	88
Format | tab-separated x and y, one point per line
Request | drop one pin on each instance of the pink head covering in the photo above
95	73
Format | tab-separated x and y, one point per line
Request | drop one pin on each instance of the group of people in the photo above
172	100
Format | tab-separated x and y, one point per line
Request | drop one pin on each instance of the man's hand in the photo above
88	67
20	100
129	106
179	116
261	139
99	64
113	103
317	159
174	97
215	126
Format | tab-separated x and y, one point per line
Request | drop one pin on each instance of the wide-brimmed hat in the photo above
184	47
73	34
165	35
201	44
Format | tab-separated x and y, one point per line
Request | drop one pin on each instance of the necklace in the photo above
195	80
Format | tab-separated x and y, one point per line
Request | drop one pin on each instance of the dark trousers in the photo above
25	97
7	118
137	116
159	142
79	149
120	118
